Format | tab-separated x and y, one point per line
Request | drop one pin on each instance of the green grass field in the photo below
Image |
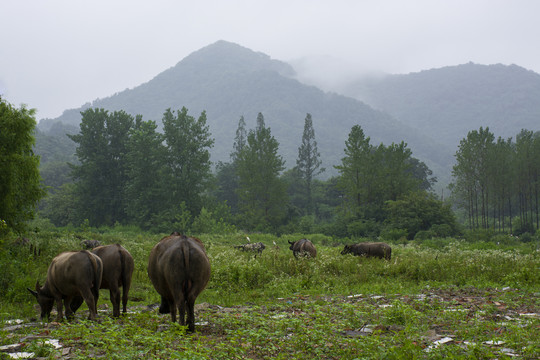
443	298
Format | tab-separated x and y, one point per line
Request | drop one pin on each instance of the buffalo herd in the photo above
178	268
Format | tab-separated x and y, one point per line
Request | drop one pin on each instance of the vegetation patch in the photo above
459	300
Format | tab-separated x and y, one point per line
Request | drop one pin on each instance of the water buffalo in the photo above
303	247
118	268
70	274
257	248
369	249
179	270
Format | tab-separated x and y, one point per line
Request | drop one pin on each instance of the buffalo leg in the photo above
182	312
76	303
173	312
68	305
59	306
90	301
191	313
164	307
115	299
125	291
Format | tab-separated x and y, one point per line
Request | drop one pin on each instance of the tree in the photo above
420	211
188	142
356	173
398	176
145	190
240	139
101	175
472	174
226	173
261	193
20	187
308	162
527	155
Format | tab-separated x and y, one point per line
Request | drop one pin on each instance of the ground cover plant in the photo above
439	299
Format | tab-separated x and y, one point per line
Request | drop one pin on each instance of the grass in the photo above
454	300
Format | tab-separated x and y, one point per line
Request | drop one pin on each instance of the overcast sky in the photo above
59	54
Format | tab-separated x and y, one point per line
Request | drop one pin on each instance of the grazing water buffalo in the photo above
303	247
369	249
179	270
70	274
257	248
118	268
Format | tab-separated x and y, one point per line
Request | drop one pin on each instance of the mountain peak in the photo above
227	56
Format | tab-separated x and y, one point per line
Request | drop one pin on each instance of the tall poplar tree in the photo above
261	193
226	175
308	162
101	175
188	142
356	173
145	188
20	187
240	139
472	174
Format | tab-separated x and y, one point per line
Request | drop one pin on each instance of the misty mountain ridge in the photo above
447	103
229	81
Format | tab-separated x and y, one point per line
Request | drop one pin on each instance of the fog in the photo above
60	54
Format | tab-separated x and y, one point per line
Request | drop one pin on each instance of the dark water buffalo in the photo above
303	247
369	249
257	248
118	268
70	274
179	270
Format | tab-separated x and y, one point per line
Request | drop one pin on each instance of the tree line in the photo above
130	173
497	182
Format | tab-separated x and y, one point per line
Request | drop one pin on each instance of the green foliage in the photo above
188	143
308	163
20	187
421	211
370	176
59	208
276	305
101	175
497	183
206	223
261	193
145	189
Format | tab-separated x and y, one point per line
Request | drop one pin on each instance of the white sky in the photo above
59	54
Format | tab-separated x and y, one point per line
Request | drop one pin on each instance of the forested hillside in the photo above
446	103
229	81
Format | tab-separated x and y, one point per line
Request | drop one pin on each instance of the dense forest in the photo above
125	171
497	182
128	172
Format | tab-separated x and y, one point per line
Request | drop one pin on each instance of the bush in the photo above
520	228
424	235
478	235
526	237
394	234
363	228
442	230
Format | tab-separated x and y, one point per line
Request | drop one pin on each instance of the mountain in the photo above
446	103
229	81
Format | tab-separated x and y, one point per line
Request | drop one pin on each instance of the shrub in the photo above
424	235
442	230
363	228
477	235
394	234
